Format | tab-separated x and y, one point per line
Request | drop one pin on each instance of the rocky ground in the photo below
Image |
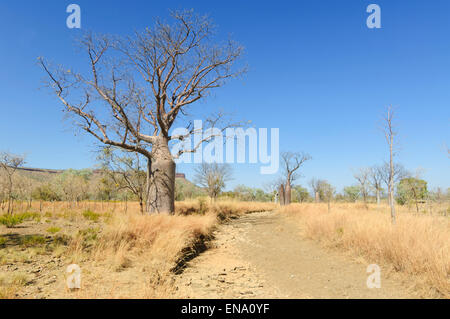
263	255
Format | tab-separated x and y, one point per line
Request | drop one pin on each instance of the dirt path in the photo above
262	255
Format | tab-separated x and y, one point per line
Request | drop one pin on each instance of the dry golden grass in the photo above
157	244
124	254
418	245
164	238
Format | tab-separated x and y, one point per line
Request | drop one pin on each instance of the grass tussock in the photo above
11	284
418	245
14	220
156	245
223	209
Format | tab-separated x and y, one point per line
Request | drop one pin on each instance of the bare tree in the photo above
138	86
328	192
273	187
9	163
363	177
400	172
315	186
376	180
213	177
126	171
390	133
73	185
291	162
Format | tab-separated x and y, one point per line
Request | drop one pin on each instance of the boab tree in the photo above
136	88
316	188
213	177
291	162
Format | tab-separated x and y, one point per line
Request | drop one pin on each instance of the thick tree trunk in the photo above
161	186
316	196
378	196
281	195
287	194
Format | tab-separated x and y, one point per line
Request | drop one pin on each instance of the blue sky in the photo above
315	71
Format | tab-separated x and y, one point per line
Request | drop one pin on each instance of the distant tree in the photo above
412	190
376	180
261	196
291	162
213	177
273	187
127	171
25	188
9	163
72	185
102	187
363	178
46	193
300	194
351	193
180	192
400	172
316	189
326	192
244	193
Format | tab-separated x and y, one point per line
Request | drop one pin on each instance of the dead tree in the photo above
9	163
363	176
390	134
376	179
291	162
137	87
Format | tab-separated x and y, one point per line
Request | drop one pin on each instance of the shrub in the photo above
62	240
90	215
31	216
53	230
33	240
11	221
